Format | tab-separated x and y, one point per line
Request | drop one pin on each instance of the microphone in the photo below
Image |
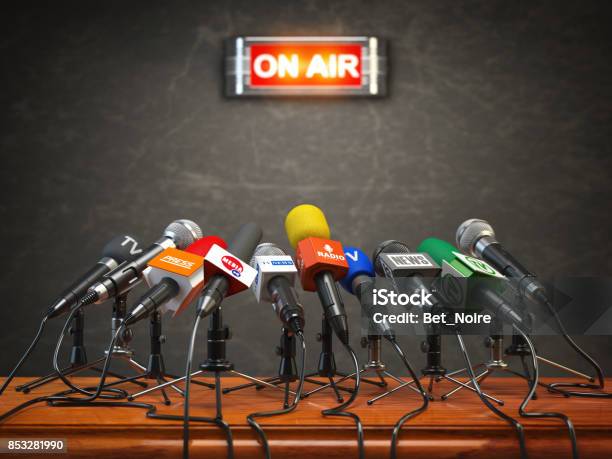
179	234
118	250
359	281
320	262
156	296
175	277
229	274
276	274
480	279
203	245
405	269
477	238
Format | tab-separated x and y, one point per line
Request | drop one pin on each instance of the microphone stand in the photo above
78	355
327	366
496	362
434	370
156	369
216	362
375	365
287	368
518	348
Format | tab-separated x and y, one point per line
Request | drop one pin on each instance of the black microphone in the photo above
276	274
405	269
119	250
163	291
220	285
179	234
477	238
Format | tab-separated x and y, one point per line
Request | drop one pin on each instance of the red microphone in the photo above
226	270
202	246
185	268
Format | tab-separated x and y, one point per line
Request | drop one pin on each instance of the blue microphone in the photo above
359	281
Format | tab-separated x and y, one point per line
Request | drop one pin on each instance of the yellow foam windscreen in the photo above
305	221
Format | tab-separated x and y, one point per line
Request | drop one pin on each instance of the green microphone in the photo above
480	285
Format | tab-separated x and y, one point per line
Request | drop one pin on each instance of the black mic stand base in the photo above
287	369
434	371
495	343
156	369
374	366
496	362
433	348
327	367
78	359
216	363
518	348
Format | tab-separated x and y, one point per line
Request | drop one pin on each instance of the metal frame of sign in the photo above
373	67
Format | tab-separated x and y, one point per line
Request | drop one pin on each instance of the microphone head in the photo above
470	231
359	264
270	261
183	232
122	248
438	249
203	245
305	221
265	249
390	246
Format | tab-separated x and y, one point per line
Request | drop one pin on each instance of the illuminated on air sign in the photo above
269	66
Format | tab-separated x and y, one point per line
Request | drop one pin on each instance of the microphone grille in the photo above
266	249
183	232
470	231
390	246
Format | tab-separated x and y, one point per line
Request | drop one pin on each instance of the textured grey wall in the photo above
113	121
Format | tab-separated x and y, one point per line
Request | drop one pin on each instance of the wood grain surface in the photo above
459	427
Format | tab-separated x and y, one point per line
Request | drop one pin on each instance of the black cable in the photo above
61	399
554	387
510	420
338	410
25	355
398	425
532	387
62	395
151	412
216	420
120	392
194	332
265	414
185	418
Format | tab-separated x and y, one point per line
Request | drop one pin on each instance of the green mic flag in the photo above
480	284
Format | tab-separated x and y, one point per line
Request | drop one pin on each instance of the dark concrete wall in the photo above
113	120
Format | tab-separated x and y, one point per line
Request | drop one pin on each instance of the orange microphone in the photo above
176	278
320	262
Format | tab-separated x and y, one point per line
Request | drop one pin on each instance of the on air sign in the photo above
268	66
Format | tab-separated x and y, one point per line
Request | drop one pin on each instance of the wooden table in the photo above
461	426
